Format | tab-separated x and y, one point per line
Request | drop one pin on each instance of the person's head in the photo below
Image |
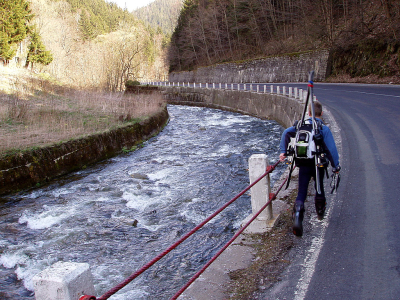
317	109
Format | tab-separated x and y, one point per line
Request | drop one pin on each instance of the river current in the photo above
121	213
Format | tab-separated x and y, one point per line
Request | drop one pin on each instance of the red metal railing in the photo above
186	236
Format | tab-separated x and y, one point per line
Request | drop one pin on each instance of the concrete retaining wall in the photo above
29	168
280	108
285	68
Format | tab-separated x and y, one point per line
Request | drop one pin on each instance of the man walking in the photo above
307	166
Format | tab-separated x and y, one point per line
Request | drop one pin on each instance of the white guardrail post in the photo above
290	92
258	164
64	281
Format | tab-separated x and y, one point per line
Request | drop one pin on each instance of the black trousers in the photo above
307	172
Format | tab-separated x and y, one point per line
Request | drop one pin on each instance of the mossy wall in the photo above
140	89
29	168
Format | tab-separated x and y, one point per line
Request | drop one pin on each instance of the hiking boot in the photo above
298	215
320	205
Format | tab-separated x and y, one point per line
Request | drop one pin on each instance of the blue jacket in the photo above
330	145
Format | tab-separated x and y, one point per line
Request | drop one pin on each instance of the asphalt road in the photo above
355	252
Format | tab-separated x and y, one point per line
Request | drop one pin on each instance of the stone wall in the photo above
285	68
29	168
283	109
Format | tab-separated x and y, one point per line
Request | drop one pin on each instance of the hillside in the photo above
363	35
161	14
88	44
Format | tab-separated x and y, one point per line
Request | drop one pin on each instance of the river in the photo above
121	213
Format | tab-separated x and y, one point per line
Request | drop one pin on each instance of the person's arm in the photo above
285	140
330	144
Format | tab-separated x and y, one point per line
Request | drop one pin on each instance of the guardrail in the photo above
290	92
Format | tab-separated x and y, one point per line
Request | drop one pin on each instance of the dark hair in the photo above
317	108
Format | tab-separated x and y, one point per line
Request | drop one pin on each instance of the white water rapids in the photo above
176	180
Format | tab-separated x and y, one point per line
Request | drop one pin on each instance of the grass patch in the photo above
35	112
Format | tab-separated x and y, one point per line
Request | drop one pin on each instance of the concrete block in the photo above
64	281
258	164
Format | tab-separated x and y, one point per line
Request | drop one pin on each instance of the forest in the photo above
161	14
96	44
82	43
216	31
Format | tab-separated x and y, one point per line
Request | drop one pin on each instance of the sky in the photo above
131	4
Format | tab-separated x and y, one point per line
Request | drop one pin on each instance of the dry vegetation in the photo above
35	112
271	250
105	62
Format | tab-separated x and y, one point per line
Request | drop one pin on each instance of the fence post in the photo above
64	281
258	164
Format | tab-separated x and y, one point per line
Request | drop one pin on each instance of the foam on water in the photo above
178	179
10	260
138	202
46	219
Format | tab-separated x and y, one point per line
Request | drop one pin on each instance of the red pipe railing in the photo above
114	290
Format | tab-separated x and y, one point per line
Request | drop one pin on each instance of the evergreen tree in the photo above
37	52
14	26
99	17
